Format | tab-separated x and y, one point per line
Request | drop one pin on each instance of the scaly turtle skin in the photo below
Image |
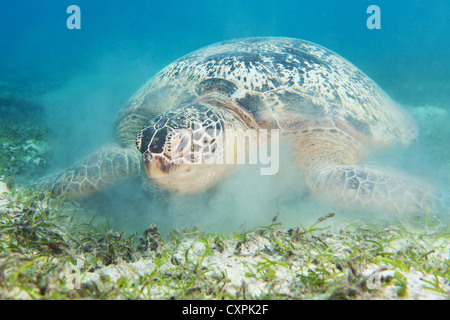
329	110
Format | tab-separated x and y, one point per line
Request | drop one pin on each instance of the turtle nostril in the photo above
147	156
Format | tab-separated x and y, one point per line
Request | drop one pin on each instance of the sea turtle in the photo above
329	111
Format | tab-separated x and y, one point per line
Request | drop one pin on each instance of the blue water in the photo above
121	44
142	36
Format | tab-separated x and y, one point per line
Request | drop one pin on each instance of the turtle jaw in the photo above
180	178
157	166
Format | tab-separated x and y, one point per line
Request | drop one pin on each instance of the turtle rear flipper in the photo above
95	173
333	164
365	187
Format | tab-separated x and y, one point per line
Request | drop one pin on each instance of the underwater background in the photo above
61	89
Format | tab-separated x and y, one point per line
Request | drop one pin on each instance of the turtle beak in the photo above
147	158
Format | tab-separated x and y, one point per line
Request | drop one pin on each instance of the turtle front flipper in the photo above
361	186
96	172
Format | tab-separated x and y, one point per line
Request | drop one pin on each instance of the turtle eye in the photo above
139	140
158	141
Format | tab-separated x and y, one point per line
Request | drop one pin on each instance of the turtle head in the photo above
180	146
